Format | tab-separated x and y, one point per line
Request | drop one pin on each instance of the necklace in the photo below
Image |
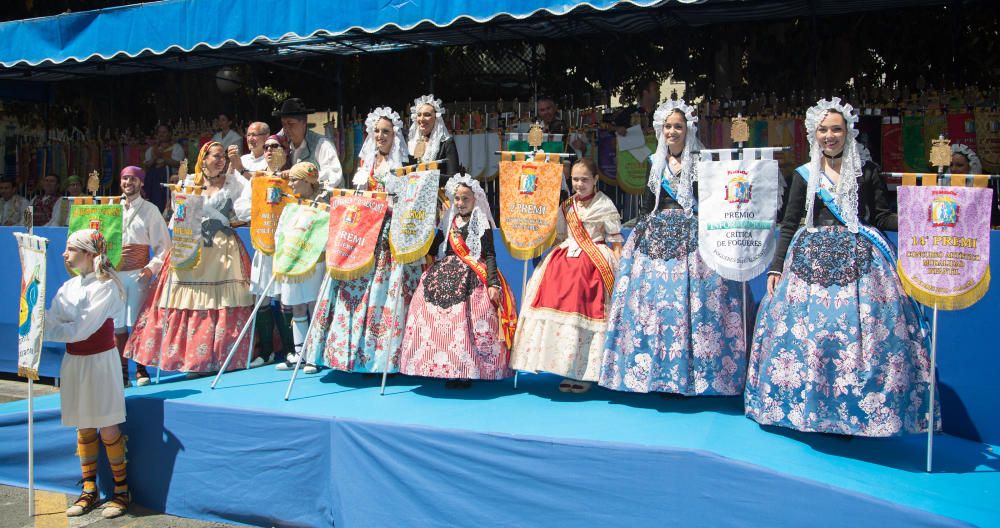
835	156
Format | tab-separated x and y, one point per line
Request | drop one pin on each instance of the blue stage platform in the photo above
338	454
968	365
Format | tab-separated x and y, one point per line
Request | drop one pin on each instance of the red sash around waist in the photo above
134	256
101	340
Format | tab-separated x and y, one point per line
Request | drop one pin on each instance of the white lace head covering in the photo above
683	182
845	192
92	241
480	220
397	156
438	134
975	164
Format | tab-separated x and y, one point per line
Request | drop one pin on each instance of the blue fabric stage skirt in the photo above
674	324
838	347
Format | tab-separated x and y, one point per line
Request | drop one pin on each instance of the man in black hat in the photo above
307	145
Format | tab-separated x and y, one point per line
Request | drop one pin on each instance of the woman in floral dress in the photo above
675	325
358	325
838	346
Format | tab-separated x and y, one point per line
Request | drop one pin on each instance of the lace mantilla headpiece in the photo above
397	155
683	182
438	134
975	164
480	220
845	192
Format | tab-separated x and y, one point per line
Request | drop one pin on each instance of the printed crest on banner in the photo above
273	195
738	190
412	185
351	215
943	211
95	224
529	179
180	209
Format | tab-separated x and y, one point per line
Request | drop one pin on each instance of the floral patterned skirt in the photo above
674	324
453	330
838	347
203	310
358	324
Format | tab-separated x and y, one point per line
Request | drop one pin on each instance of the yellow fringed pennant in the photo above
268	197
529	206
355	226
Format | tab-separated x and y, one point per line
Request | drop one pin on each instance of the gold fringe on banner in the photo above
351	274
411	256
29	373
945	302
531	252
299	278
185	266
910	179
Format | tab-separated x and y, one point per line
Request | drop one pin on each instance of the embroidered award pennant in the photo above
31	316
355	223
529	206
412	228
185	237
267	199
300	240
106	218
737	211
944	244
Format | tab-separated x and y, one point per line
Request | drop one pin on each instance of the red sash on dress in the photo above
507	308
579	234
101	340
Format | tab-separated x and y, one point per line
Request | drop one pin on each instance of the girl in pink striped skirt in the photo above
454	328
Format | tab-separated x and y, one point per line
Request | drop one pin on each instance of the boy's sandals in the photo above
83	504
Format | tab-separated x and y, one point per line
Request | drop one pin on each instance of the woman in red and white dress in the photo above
561	329
462	317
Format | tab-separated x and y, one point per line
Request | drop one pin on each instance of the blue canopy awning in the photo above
188	25
193	34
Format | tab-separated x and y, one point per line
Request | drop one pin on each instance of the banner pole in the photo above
524	286
31	401
298	362
163	328
253	328
243	332
930	407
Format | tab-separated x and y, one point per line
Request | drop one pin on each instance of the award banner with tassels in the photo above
529	204
737	211
31	318
300	240
268	196
103	216
356	219
944	244
411	232
185	236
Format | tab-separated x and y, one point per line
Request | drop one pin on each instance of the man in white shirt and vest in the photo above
143	232
307	145
254	160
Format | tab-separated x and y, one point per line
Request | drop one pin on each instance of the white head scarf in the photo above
975	164
438	135
397	156
480	220
682	183
92	241
845	193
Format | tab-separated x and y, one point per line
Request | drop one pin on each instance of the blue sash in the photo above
665	184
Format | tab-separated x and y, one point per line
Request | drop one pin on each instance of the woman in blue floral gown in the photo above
675	325
838	346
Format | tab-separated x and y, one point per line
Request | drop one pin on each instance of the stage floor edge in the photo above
339	454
